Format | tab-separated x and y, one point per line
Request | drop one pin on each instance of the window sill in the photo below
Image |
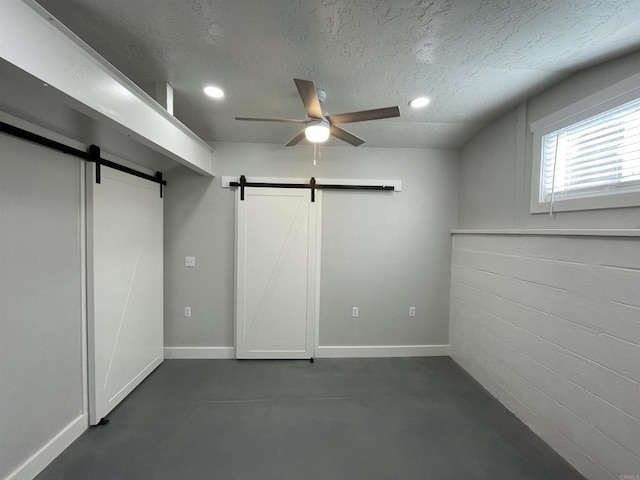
596	202
575	232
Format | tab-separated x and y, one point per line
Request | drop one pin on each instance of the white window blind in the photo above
599	155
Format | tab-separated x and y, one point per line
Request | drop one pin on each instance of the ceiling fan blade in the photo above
309	96
281	120
343	135
364	115
295	140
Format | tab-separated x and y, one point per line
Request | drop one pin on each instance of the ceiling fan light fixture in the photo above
419	102
317	131
319	126
214	92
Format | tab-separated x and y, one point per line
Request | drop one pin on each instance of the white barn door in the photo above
275	273
124	286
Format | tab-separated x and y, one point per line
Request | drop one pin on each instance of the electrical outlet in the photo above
354	312
189	261
187	312
412	311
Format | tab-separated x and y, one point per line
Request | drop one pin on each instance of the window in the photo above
589	159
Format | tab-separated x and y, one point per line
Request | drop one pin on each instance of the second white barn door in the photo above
125	299
275	273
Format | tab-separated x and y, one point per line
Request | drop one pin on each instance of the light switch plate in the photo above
189	261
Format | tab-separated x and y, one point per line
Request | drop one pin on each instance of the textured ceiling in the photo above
473	58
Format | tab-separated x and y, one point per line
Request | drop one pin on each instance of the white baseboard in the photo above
340	351
54	447
359	351
199	352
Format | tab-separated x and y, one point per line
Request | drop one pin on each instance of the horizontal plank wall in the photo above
550	325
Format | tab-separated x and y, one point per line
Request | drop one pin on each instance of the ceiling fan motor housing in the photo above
322	95
318	121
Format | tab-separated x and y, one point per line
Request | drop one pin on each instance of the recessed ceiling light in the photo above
214	92
419	102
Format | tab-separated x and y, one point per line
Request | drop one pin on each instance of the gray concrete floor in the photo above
404	418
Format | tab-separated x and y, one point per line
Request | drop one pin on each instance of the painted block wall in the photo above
381	251
549	324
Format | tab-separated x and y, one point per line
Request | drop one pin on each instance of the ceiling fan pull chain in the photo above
315	147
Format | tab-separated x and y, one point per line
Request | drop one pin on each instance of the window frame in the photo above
606	99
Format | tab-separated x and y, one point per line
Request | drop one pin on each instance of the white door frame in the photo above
316	327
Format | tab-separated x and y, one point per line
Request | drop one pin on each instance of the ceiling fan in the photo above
319	125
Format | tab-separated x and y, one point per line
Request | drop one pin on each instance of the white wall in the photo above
36	42
550	324
25	97
41	389
380	251
42	401
495	175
